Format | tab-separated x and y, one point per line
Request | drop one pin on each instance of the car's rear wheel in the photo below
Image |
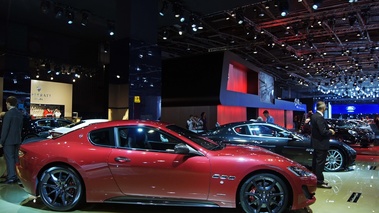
264	193
334	161
61	189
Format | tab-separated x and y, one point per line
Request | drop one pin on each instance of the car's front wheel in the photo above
60	188
334	161
264	193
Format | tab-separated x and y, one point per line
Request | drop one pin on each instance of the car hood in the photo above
251	151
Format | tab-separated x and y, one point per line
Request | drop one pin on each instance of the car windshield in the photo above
198	139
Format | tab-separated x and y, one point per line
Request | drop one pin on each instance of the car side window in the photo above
254	130
161	141
266	131
271	131
102	137
242	130
146	138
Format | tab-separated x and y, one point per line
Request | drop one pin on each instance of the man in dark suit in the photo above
320	135
11	138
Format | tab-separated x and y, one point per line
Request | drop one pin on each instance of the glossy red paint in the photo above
111	173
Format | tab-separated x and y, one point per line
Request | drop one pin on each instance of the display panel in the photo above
266	88
56	95
355	108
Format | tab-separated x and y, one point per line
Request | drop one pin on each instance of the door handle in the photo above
122	159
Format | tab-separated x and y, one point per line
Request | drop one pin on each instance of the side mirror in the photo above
181	148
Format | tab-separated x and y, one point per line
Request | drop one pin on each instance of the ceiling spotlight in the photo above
58	12
85	16
284	8
111	28
165	35
316	4
70	16
163	9
177	9
239	16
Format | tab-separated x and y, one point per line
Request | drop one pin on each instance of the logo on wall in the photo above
38	95
350	108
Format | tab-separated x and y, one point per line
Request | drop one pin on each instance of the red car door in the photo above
161	174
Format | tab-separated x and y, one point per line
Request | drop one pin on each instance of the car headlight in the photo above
299	171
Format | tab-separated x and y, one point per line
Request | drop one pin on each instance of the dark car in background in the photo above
33	127
352	132
282	141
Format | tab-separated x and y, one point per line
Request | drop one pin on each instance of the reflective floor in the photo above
353	191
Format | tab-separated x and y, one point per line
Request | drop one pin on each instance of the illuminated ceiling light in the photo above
200	26
316	4
163	9
239	16
58	12
111	28
284	8
182	19
70	16
85	17
177	10
165	35
261	13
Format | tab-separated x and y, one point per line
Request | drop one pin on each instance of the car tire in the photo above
61	189
334	161
264	193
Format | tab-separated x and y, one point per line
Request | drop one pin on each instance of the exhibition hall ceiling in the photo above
331	51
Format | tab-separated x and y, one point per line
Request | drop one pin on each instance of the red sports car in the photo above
155	163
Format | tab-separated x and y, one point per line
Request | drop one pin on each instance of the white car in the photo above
64	129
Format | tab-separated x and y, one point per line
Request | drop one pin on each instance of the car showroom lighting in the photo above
111	28
70	16
85	17
316	4
284	8
163	8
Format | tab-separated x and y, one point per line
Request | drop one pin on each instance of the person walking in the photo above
11	138
269	118
320	135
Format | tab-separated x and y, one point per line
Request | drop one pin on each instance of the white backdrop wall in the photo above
52	93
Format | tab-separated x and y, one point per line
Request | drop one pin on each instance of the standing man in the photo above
320	135
11	138
269	118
